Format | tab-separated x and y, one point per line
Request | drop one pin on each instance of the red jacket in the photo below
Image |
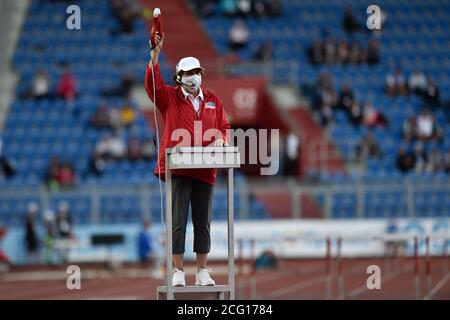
178	112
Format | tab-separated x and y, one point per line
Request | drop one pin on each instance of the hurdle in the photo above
240	269
252	279
428	264
335	255
445	256
340	270
431	291
253	292
416	267
329	277
199	158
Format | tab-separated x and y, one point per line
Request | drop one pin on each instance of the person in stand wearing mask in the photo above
182	107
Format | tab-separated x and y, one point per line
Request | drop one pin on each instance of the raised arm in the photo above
153	72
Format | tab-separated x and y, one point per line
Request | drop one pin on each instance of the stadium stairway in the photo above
12	14
317	151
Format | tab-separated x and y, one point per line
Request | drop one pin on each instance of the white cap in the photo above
156	12
188	63
32	206
49	215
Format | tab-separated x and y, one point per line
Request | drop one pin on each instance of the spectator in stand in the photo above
316	52
110	148
421	158
368	148
259	9
127	115
349	22
117	147
67	86
134	149
115	117
148	149
292	155
238	35
326	115
97	163
396	83
64	221
356	114
40	87
31	233
427	128
436	161
244	8
342	52
330	50
447	161
346	98
417	82
7	168
405	161
328	101
355	54
431	93
52	173
328	97
101	118
264	52
324	82
323	91
410	129
373	117
373	52
363	52
125	12
274	8
101	149
66	175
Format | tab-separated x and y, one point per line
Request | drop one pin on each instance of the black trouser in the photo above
199	194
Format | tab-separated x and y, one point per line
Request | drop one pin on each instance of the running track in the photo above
294	280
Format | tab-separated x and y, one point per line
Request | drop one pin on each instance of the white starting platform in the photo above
200	158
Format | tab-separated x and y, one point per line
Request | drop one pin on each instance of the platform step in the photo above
195	292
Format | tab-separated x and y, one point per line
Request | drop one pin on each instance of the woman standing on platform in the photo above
182	107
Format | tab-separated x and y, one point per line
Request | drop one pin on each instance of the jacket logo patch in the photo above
210	105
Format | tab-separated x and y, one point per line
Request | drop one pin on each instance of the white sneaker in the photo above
178	279
202	278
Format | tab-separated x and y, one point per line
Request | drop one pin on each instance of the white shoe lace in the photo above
209	270
177	270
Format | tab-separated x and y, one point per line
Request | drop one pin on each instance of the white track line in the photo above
262	278
296	287
299	285
437	287
112	298
47	275
385	279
